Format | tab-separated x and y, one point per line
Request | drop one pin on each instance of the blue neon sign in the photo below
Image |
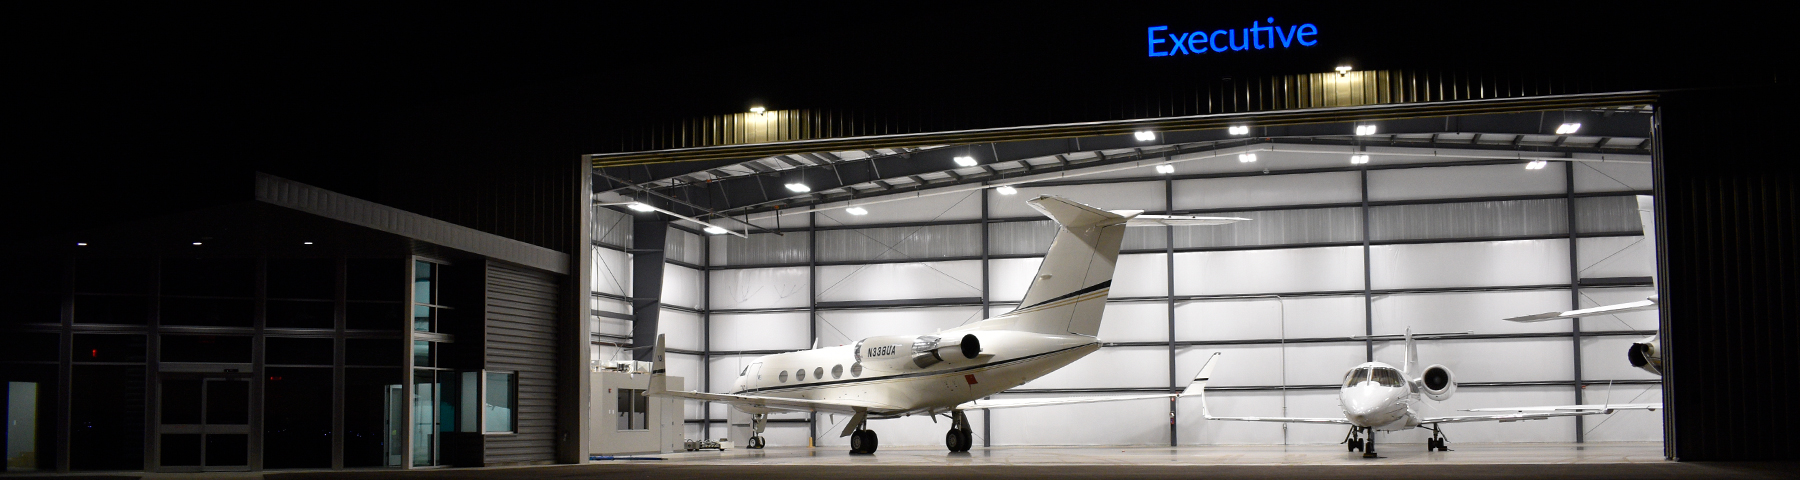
1220	41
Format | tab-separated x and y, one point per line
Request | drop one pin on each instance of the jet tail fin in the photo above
1198	386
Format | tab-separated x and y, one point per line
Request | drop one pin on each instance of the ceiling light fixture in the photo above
80	244
758	110
1536	165
965	161
1567	128
196	243
1146	136
640	207
306	243
1365	130
856	211
1343	69
1359	159
1238	130
1006	190
799	187
717	230
1246	158
1165	169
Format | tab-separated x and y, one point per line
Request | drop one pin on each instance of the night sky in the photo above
124	113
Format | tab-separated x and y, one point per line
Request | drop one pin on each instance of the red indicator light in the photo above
95	353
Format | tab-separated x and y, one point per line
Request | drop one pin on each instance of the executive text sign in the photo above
1258	36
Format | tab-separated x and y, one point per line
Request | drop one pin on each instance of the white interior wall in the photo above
778	287
1594	297
845	327
1269	271
682	286
1263	318
1132	322
1107	196
1463	182
680	330
759	331
1469	264
1261	191
899	281
884	210
1491	360
1134	422
1603	257
1478	312
1612	177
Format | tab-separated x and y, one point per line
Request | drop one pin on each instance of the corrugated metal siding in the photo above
521	336
1231	94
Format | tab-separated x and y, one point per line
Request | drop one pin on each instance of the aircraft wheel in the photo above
756	442
953	439
968	440
871	442
864	442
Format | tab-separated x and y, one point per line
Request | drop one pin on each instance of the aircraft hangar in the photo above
1441	225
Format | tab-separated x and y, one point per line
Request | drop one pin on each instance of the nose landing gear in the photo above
1356	443
961	437
758	422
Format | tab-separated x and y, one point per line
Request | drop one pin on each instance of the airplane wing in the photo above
1514	417
1198	387
1638	306
1572	408
778	403
1193	388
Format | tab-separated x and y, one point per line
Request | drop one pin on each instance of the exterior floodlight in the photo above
799	187
1359	159
1365	130
965	161
1567	128
757	110
640	207
1343	69
1165	169
1146	136
1238	130
717	230
1536	165
857	211
1246	158
1006	190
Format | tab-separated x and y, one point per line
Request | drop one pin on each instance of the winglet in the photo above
659	378
1198	386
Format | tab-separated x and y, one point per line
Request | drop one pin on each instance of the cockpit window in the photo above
745	371
1388	377
1356	376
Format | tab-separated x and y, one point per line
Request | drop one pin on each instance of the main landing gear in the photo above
961	437
1437	440
1356	442
758	422
863	441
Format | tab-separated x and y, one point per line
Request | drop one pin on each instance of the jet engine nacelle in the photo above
903	351
1439	384
1644	354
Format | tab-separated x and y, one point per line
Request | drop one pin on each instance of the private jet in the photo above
949	372
1377	396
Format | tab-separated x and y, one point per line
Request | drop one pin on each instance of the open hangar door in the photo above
1438	224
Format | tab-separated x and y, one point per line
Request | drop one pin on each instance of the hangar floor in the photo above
1637	461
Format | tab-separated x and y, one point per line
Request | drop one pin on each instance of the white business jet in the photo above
1644	353
1377	396
948	372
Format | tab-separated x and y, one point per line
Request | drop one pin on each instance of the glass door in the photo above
203	423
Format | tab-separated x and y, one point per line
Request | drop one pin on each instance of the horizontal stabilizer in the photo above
1573	408
1179	220
1638	306
1073	215
1416	336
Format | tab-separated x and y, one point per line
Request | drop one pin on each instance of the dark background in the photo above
125	112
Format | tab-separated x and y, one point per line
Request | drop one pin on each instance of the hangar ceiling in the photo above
746	189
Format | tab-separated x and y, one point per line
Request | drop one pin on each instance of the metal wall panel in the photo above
760	249
685	247
1262	318
1478	312
1612	214
1507	218
1276	227
1252	192
897	243
1269	271
779	287
1613	177
1473	264
522	314
1463	182
899	281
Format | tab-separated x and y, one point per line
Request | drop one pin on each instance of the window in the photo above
782	377
499	407
1356	376
856	370
800	375
743	372
1388	377
634	410
837	371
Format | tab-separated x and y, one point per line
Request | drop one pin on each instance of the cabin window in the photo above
818	373
856	370
783	377
800	375
837	371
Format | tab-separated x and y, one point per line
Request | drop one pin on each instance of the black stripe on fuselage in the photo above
905	375
1097	287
